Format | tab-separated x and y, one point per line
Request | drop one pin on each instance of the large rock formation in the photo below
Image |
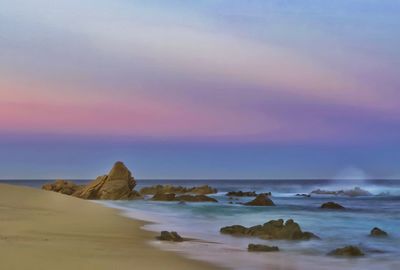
62	186
355	192
157	189
241	193
117	185
261	200
350	251
332	205
274	229
261	248
376	232
182	198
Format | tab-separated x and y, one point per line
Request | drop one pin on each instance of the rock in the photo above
331	205
376	232
170	236
241	193
272	230
357	191
351	251
182	198
117	185
261	200
62	186
195	198
261	248
164	197
303	195
200	190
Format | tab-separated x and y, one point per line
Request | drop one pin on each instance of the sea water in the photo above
336	229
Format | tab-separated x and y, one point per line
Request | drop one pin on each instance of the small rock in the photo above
331	205
170	236
261	248
376	232
350	251
261	200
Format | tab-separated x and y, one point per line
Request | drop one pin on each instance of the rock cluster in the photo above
200	190
331	205
261	200
357	191
376	232
241	193
117	185
62	186
170	236
349	251
182	198
272	230
261	248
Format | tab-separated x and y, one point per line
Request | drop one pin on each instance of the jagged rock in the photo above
182	198
376	232
273	229
357	191
241	193
351	251
261	248
170	236
331	205
261	200
62	186
117	185
200	190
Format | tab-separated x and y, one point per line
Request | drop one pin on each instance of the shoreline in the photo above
46	230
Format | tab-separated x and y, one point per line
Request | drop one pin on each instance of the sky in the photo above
192	89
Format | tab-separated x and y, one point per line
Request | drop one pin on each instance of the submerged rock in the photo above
376	232
303	195
241	193
170	236
261	200
357	191
117	185
331	205
62	186
182	198
350	251
261	248
200	190
273	229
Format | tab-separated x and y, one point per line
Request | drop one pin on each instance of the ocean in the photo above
335	228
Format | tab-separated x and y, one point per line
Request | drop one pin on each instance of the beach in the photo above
46	230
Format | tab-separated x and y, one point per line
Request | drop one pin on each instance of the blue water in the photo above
336	228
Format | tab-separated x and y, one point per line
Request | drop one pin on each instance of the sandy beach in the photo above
46	230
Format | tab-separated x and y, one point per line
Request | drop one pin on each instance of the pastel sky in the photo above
200	89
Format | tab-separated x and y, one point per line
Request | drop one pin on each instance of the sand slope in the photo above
46	230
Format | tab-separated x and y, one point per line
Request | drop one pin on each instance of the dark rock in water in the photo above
167	189
273	230
164	197
331	205
117	185
182	198
261	200
241	193
357	191
376	232
303	195
195	198
350	251
261	248
170	236
62	186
